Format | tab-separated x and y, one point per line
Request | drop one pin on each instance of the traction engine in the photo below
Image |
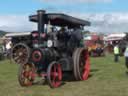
51	54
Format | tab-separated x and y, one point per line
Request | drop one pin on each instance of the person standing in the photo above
116	53
126	56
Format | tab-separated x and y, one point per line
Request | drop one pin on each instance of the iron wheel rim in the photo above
54	76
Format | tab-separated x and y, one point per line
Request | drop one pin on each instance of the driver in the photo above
63	37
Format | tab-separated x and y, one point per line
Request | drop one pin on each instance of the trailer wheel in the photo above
81	64
54	74
20	53
26	74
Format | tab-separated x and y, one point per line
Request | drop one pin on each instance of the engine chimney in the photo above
40	14
41	17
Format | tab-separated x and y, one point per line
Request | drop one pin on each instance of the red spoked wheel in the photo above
81	64
20	53
26	74
54	75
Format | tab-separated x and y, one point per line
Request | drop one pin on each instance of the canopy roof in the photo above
61	20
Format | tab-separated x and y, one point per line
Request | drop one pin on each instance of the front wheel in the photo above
54	74
26	74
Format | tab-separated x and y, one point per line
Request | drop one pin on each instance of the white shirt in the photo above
8	45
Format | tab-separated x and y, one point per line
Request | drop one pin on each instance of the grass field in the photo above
106	79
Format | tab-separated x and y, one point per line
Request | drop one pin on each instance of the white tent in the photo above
17	34
116	36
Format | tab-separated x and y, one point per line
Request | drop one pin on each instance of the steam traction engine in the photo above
50	54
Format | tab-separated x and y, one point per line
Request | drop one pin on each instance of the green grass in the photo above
106	79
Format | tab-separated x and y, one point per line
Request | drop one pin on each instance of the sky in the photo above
106	16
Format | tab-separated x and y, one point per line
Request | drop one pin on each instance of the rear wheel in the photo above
54	75
81	64
26	74
20	53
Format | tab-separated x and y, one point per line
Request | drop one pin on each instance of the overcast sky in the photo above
105	15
